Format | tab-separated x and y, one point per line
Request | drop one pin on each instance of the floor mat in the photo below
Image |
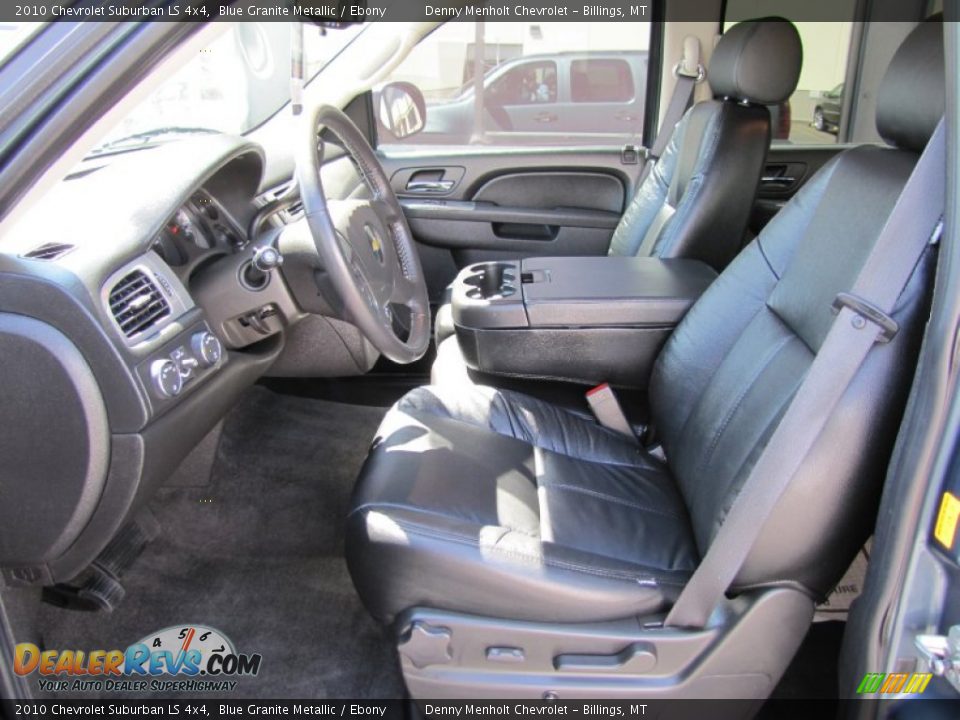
256	551
813	672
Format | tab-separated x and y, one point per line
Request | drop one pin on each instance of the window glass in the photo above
14	35
541	83
524	84
233	85
601	81
814	114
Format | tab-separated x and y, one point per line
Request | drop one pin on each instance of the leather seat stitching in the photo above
641	463
609	498
432	513
469	541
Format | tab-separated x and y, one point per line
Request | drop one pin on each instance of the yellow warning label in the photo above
946	528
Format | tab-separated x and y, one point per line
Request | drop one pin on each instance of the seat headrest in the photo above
912	94
757	61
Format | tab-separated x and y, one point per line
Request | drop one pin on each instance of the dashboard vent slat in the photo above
137	303
295	211
48	251
289	214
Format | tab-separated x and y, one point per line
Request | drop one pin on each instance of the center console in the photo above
577	319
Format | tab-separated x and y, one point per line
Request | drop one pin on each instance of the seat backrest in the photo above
696	200
729	371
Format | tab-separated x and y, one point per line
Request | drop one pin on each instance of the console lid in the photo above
611	291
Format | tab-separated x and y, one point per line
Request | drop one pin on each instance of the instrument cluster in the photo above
199	226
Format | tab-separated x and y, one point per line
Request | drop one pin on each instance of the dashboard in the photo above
128	332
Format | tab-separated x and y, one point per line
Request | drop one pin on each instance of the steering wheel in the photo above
365	245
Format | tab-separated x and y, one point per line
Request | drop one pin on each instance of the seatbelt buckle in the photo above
698	75
867	312
606	409
690	65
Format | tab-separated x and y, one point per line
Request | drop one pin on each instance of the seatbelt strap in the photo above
689	72
863	319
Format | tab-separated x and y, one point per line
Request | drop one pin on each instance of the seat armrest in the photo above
611	291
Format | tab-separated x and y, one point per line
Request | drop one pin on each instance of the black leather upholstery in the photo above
730	369
696	200
911	100
513	508
493	503
757	61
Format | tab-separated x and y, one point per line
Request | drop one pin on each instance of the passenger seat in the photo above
696	200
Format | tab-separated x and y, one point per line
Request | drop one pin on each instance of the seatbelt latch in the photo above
606	408
867	312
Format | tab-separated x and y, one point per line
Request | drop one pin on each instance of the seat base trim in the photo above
741	654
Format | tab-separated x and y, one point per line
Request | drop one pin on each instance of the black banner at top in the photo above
334	12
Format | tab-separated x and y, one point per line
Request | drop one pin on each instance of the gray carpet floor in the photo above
256	551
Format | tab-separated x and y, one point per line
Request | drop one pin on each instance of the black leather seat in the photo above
696	200
491	503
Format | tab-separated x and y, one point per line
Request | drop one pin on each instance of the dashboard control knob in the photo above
223	236
266	258
166	379
206	348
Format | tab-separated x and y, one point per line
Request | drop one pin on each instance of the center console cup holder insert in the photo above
491	280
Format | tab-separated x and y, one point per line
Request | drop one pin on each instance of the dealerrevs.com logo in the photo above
894	683
182	658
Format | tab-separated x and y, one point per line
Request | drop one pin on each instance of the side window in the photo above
541	84
524	84
595	81
816	112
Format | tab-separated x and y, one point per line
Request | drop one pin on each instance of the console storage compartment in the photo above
579	319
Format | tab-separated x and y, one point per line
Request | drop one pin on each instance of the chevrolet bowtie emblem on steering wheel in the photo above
376	244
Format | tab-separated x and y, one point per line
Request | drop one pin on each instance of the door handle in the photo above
545	117
429	186
781	180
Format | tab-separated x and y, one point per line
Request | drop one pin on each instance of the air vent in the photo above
294	212
288	214
278	192
48	251
137	303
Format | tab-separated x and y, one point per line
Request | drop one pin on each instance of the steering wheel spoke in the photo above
404	289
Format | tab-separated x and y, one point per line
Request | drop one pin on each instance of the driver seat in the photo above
696	200
493	527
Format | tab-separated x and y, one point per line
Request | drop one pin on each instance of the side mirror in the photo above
401	109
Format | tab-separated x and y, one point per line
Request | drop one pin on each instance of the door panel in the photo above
508	203
548	190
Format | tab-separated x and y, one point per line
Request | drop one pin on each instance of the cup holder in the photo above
489	281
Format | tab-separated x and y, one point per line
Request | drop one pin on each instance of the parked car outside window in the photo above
826	115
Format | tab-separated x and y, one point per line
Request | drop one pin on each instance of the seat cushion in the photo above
491	502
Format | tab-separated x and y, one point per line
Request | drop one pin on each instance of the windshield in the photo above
13	35
236	83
